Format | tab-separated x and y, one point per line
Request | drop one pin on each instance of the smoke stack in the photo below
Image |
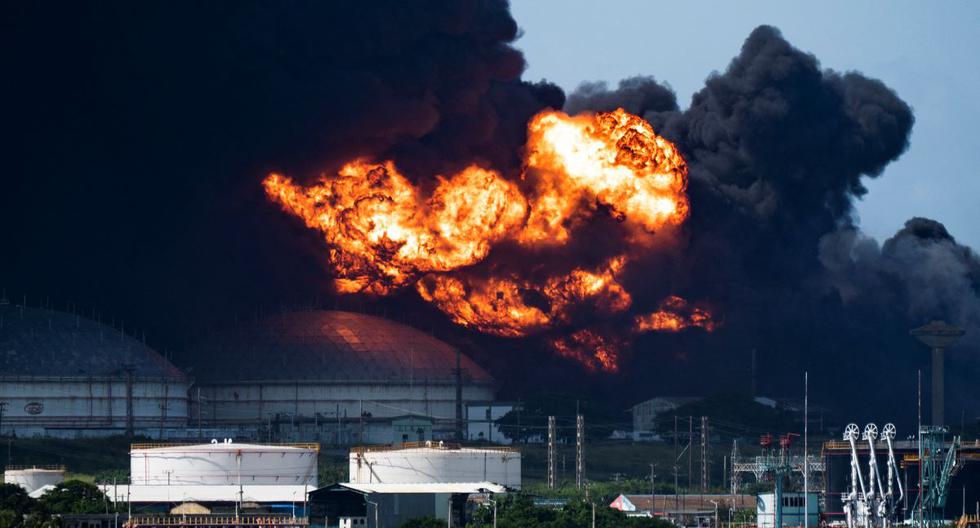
938	336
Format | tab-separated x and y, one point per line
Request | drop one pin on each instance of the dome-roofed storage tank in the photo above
330	375
64	375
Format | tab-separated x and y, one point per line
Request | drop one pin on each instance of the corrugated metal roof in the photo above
35	342
329	346
427	487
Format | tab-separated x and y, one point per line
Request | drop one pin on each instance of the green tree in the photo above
531	418
9	518
74	496
519	511
14	498
424	522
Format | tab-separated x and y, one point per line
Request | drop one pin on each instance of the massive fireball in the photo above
384	233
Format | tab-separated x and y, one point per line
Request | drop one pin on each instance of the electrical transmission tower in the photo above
704	453
579	451
551	452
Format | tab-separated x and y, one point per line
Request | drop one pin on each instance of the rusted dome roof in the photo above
329	346
36	342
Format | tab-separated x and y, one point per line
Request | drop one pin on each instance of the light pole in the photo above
375	504
716	512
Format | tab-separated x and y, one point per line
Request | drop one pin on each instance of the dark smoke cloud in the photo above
778	149
138	133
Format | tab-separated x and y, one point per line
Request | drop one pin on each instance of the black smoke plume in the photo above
778	148
136	135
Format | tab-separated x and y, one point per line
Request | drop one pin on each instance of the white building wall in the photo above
792	510
70	407
436	465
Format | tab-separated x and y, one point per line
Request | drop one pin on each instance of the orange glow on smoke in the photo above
385	233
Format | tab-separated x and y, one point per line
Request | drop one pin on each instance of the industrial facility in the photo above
336	377
65	375
330	376
389	485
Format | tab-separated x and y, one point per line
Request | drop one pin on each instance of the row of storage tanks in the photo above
255	464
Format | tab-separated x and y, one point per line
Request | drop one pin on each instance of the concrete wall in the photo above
81	407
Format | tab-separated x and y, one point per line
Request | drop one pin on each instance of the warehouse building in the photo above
64	375
335	377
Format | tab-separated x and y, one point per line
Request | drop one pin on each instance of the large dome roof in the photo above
329	346
35	342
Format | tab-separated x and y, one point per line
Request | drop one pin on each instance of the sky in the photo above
926	51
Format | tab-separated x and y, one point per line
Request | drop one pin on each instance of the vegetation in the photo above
18	510
729	416
424	522
530	420
82	455
518	511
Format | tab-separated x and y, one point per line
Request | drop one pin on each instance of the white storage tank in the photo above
223	463
33	478
434	462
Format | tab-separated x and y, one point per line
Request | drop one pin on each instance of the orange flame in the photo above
674	314
593	350
384	233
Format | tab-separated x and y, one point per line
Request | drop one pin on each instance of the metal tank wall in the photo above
77	407
223	464
256	402
435	464
33	478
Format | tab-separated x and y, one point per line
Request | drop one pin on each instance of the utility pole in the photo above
690	441
677	504
3	407
675	437
459	397
129	368
579	451
653	488
551	452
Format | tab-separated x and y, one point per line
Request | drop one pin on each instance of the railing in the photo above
147	521
157	445
431	445
48	467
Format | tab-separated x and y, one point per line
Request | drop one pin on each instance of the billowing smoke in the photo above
777	149
143	132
